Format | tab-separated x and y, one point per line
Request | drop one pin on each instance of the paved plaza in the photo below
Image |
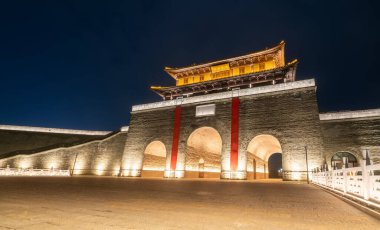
123	203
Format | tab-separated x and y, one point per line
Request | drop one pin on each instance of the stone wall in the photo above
144	128
353	135
289	115
13	141
101	157
293	118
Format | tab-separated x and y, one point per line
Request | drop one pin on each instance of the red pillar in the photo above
177	124
234	134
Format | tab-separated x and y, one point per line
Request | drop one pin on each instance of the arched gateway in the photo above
259	150
154	160
203	153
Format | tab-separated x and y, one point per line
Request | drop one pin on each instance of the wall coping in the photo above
228	94
349	114
124	129
60	148
53	130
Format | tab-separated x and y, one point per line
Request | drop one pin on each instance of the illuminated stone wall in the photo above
353	135
293	118
261	165
93	158
146	127
157	124
154	161
13	140
289	115
221	123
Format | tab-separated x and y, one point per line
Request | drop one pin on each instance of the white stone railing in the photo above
33	172
360	183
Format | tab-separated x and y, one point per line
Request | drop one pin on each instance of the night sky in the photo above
83	64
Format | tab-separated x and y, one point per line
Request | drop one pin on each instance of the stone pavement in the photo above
122	203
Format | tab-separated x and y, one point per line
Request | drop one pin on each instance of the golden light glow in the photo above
296	175
263	146
25	163
134	172
205	139
168	173
156	148
205	170
258	169
234	175
218	72
251	63
203	149
52	166
100	169
179	174
116	170
131	173
129	168
78	167
154	156
54	161
153	168
218	68
102	166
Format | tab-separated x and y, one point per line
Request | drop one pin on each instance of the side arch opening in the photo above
264	151
343	159
154	160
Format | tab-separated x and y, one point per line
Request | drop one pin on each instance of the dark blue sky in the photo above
83	64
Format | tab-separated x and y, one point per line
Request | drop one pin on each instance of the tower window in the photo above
262	66
241	70
201	78
221	74
186	80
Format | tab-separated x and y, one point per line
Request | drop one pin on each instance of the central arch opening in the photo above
264	151
203	153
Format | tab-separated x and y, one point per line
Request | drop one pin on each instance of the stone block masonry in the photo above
354	132
26	139
290	114
228	135
100	157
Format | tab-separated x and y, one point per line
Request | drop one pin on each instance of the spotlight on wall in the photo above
100	169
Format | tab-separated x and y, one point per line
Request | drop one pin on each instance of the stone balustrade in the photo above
358	183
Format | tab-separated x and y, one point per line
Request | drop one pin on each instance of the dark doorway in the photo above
343	158
275	165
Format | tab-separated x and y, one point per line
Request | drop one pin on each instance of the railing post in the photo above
344	180
365	178
333	179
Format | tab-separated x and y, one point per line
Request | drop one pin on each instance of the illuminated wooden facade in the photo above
259	68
